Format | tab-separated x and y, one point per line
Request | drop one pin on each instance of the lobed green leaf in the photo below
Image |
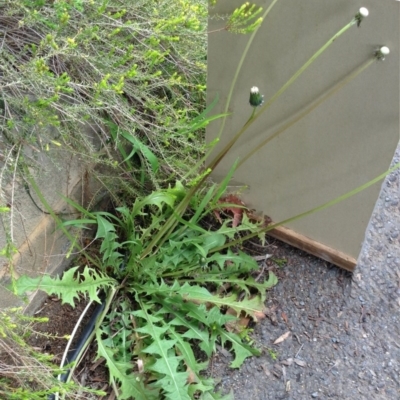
69	287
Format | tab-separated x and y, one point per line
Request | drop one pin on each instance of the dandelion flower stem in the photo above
239	67
308	109
255	115
309	212
302	69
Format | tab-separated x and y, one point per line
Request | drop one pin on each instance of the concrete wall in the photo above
345	142
42	248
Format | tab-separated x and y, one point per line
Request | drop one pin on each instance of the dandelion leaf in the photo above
69	287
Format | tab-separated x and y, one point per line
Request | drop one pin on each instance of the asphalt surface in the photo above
344	340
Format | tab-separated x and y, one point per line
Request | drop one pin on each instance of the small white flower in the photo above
384	50
362	13
254	90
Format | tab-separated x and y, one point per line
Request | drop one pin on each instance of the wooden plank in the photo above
315	248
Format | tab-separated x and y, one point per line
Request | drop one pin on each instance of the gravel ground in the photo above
344	340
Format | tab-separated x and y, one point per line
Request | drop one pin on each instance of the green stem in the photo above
172	221
199	165
309	109
313	210
254	117
178	274
303	68
230	144
253	113
239	67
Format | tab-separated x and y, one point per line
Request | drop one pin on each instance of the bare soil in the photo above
62	320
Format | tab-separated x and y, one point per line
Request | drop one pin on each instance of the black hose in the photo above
87	331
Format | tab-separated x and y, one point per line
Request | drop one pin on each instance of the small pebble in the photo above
314	395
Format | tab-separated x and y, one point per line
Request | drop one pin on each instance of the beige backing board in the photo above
345	142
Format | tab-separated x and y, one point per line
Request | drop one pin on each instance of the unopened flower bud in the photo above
382	52
256	99
362	13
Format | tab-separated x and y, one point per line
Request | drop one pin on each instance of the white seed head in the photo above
363	12
384	50
254	90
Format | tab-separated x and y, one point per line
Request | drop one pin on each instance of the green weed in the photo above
88	77
172	286
173	297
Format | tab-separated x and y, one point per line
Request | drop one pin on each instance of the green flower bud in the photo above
256	99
